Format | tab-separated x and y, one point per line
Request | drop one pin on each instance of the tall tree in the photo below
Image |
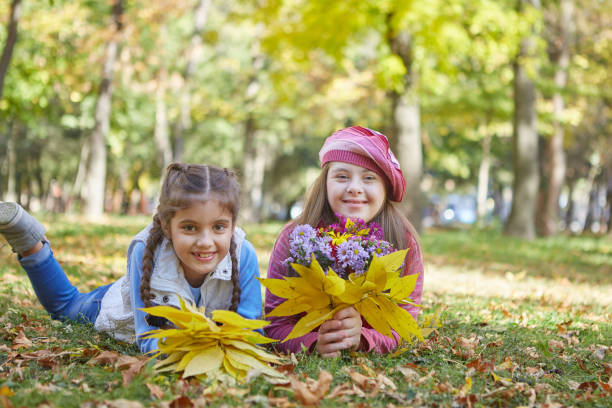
521	222
559	26
96	170
194	57
406	125
11	39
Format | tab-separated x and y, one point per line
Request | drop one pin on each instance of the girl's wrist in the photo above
362	345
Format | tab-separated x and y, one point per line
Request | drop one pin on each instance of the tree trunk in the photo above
193	59
77	188
483	177
96	171
569	212
592	189
11	158
254	163
521	222
555	154
11	39
162	136
406	124
609	202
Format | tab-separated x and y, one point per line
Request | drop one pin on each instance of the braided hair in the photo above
183	185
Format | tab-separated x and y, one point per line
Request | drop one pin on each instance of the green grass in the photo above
534	313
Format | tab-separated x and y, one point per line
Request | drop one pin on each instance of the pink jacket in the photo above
280	327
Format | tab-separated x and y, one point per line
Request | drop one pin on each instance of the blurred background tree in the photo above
256	86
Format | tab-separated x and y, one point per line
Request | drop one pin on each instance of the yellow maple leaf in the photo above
224	347
376	295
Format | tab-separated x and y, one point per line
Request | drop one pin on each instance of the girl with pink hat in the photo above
360	178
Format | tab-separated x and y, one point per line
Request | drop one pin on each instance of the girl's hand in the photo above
342	332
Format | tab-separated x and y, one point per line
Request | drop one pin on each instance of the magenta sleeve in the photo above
280	327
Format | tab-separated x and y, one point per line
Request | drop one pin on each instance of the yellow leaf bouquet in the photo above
376	294
225	348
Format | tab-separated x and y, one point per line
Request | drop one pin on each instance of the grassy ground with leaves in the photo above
523	324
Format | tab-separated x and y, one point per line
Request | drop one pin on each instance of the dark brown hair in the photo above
317	210
183	185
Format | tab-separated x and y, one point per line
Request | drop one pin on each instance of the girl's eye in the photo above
189	228
341	176
220	227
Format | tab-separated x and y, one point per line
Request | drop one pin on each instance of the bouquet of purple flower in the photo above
346	247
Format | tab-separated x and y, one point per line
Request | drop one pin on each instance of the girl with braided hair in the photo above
192	249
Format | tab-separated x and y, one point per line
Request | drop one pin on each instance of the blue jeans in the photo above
60	298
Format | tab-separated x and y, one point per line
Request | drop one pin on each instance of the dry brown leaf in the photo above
588	385
5	402
105	358
365	383
123	403
555	344
131	366
480	365
156	391
280	402
323	384
21	340
385	383
302	394
181	402
341	390
409	374
531	352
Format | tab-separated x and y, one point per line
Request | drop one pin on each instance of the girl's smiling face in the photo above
201	235
354	191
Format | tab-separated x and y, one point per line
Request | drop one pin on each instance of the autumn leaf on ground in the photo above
378	292
224	348
311	392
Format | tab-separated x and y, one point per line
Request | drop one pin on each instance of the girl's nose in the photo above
204	240
355	187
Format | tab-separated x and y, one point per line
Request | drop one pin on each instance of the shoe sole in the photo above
10	213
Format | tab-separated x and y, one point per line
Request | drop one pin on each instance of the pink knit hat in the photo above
366	148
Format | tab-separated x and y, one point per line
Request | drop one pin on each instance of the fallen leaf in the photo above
105	358
311	392
607	387
181	402
507	365
365	383
467	387
409	374
123	403
503	380
280	402
592	385
555	344
480	365
302	394
21	340
130	366
573	385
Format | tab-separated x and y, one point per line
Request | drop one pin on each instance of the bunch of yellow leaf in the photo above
376	295
199	346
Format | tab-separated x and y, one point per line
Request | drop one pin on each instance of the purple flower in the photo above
351	255
362	241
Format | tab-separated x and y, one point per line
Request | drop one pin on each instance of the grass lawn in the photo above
522	324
